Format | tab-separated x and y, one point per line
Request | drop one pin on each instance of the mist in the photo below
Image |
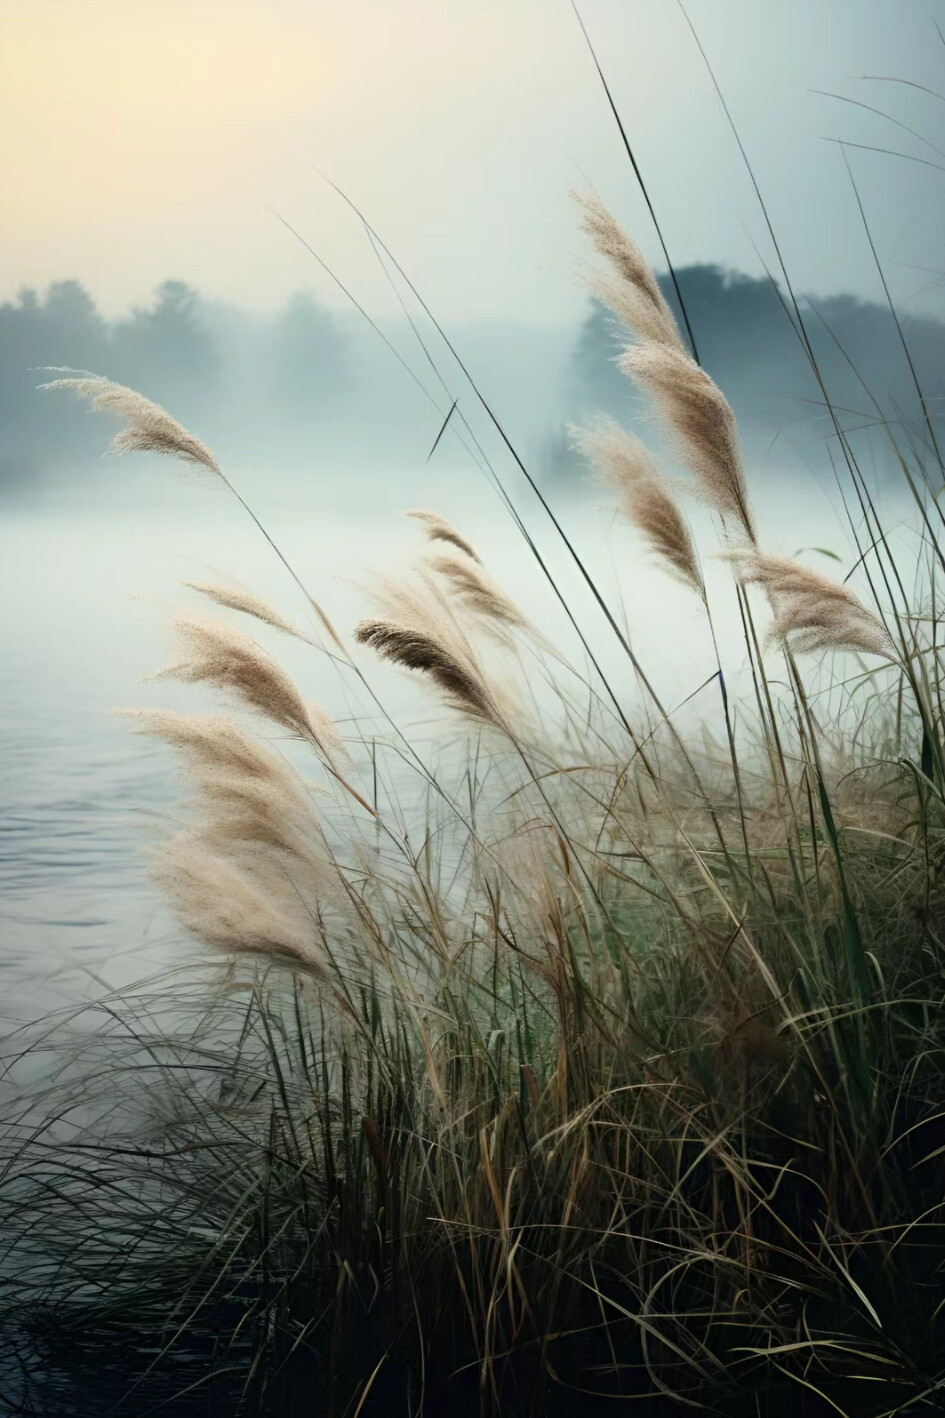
305	393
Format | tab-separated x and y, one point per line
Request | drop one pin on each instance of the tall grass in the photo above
596	1063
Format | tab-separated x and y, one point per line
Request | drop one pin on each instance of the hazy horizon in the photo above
320	390
144	142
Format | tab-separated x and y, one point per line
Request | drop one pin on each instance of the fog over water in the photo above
167	273
94	553
91	581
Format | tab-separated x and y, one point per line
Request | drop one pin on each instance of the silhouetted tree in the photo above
253	384
310	359
64	329
72	320
166	351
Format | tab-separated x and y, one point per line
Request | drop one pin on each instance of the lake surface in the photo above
80	794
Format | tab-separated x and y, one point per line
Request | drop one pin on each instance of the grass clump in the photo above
608	1066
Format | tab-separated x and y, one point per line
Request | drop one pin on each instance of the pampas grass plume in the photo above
632	292
416	648
439	530
149	428
236	599
476	589
625	464
234	910
217	654
701	422
812	612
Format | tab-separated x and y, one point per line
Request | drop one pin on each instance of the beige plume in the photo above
812	611
438	653
439	530
255	828
624	463
250	909
150	429
472	584
218	654
632	292
244	792
699	418
211	744
236	599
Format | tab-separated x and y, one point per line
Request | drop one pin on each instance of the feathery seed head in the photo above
633	292
251	809
236	599
624	462
700	420
476	589
217	654
246	910
149	428
439	530
419	649
211	744
812	612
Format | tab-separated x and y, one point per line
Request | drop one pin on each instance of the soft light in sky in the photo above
150	138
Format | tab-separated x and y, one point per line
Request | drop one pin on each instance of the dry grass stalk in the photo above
700	420
633	293
150	429
439	530
326	732
477	590
812	611
624	463
219	655
236	599
441	657
245	793
243	909
256	842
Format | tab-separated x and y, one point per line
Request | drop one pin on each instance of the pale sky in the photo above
143	139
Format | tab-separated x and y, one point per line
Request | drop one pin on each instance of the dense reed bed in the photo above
594	1064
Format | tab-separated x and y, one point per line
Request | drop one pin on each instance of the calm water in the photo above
80	793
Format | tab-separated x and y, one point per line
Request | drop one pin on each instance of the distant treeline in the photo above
299	383
749	339
210	364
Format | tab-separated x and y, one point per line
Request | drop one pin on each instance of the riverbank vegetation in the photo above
599	1060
